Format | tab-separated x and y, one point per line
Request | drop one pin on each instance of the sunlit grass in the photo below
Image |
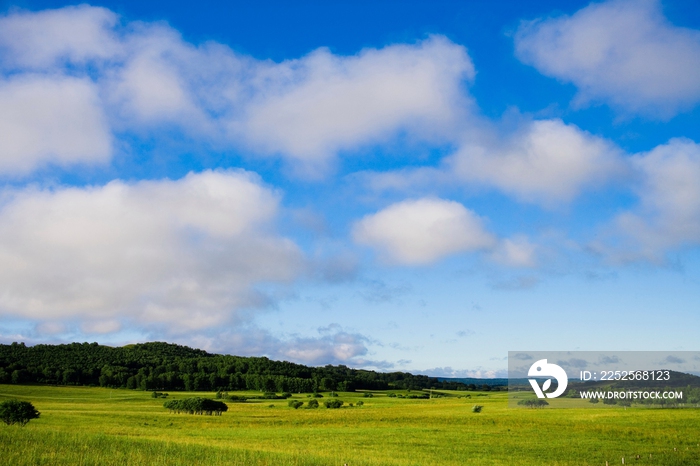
81	425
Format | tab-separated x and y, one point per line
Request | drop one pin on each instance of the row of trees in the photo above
163	366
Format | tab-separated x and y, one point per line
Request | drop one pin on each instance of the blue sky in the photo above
390	185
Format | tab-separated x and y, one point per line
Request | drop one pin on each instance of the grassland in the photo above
98	426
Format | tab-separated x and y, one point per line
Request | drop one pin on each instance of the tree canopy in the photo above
163	366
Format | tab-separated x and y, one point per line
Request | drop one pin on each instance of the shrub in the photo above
333	404
533	403
360	403
17	412
477	408
313	404
593	400
296	404
334	394
392	395
286	395
196	406
370	395
316	395
159	395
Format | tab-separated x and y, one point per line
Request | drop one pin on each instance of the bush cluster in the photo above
196	406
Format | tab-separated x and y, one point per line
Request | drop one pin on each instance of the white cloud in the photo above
422	231
515	252
323	103
332	345
544	161
163	80
306	109
465	374
337	347
184	254
668	216
101	327
43	39
51	120
623	52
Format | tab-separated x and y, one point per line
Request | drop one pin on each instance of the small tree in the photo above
17	412
477	408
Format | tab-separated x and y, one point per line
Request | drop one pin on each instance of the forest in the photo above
166	366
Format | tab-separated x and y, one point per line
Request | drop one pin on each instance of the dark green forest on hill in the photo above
165	366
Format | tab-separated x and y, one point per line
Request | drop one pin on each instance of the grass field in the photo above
97	426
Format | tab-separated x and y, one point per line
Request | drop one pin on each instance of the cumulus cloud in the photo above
668	215
44	39
48	119
324	103
417	232
183	254
306	109
544	161
624	52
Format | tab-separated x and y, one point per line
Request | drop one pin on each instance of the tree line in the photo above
165	366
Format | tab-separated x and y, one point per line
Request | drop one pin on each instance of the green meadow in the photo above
100	426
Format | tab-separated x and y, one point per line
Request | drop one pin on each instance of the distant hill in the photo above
474	381
166	366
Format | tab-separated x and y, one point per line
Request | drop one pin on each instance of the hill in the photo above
165	366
